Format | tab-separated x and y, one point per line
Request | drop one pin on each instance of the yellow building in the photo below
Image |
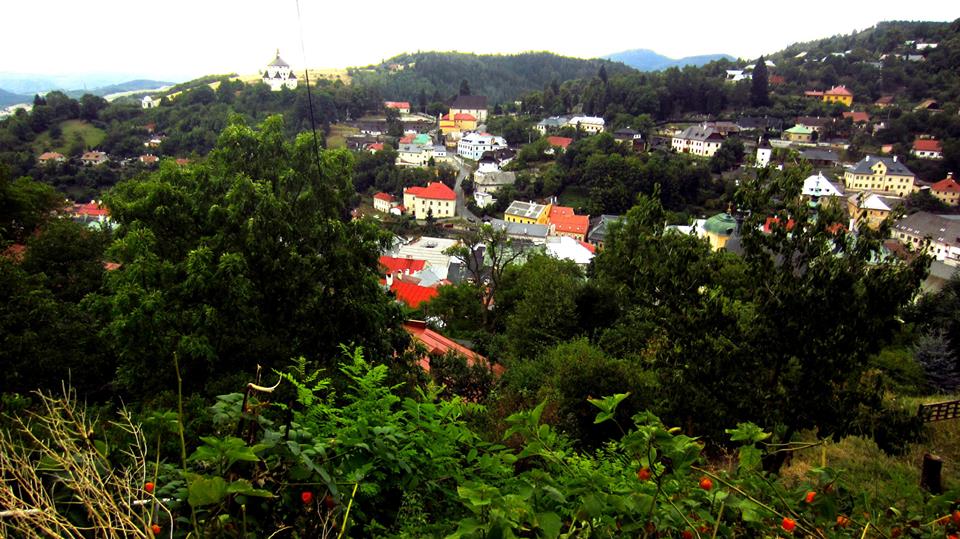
529	213
718	229
870	207
457	123
798	133
436	200
881	174
838	94
947	190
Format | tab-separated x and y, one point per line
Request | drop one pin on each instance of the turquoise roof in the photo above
722	224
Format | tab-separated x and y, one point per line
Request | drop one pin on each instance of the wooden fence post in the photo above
930	474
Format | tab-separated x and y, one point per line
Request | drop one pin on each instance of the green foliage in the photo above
264	264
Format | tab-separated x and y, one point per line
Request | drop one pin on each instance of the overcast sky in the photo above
180	39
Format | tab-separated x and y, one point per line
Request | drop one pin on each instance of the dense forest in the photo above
223	360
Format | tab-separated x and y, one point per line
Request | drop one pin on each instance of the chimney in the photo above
894	159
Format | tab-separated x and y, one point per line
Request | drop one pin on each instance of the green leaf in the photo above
549	524
243	486
608	406
749	458
206	490
467	527
747	432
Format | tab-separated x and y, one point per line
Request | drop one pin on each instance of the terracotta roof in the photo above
149	158
434	190
776	79
45	156
775	221
927	145
946	185
413	295
396	104
560	211
573	224
111	266
885	100
590	247
407	139
813	93
838	90
436	343
384	196
375	147
91	209
560	142
394	264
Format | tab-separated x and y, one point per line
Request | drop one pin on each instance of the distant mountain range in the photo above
21	90
648	60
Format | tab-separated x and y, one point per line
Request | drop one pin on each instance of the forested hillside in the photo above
502	78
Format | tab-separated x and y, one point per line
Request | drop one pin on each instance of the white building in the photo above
149	102
483	199
764	153
473	145
278	75
590	124
737	75
567	248
697	140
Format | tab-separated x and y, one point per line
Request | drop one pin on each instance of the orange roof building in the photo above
412	295
435	199
947	190
838	94
564	222
927	148
560	142
404	265
437	344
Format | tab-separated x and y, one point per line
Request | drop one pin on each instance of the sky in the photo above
182	39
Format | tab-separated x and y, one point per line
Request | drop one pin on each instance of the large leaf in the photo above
205	490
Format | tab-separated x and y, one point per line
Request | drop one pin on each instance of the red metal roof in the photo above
571	224
946	185
775	221
412	294
560	142
393	264
397	104
927	145
436	343
375	147
383	196
857	117
433	190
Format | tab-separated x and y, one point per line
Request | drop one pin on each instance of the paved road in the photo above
462	210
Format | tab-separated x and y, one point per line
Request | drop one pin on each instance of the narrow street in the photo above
462	210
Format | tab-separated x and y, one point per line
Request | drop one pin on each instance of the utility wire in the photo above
306	72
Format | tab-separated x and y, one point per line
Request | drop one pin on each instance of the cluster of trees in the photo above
431	77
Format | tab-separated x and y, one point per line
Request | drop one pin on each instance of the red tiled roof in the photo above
560	211
91	209
393	264
436	343
110	266
572	224
927	145
777	79
946	185
589	246
813	93
560	142
396	104
838	90
412	294
383	196
857	117
50	155
407	139
433	190
375	147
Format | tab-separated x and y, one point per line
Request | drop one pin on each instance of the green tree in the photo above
249	258
69	255
729	155
24	205
759	85
464	87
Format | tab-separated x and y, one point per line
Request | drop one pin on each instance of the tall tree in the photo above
759	89
248	259
464	87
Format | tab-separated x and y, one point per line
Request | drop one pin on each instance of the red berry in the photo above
706	483
307	497
956	517
843	521
687	534
895	532
155	528
644	474
329	502
952	536
788	524
810	496
148	487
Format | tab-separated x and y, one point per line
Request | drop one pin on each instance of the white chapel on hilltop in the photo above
279	75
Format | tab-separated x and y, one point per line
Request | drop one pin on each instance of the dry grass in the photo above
59	482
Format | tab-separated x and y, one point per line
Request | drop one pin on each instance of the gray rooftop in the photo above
931	226
598	227
816	154
530	210
696	132
893	166
521	229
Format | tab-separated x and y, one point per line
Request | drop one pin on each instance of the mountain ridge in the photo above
650	60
